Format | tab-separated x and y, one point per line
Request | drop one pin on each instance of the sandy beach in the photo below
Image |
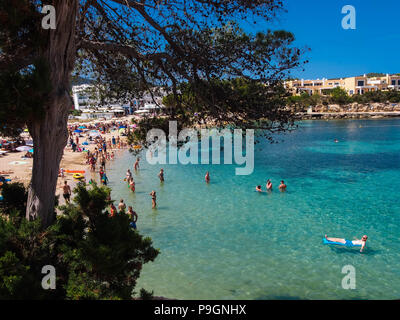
14	166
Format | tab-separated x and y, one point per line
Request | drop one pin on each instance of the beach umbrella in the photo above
31	151
85	143
78	131
122	127
23	148
82	127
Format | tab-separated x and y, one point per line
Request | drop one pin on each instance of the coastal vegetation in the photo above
130	46
94	256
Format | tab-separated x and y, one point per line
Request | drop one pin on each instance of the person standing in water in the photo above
136	166
113	210
128	175
121	205
161	175
104	179
132	184
153	199
282	186
349	243
207	177
132	217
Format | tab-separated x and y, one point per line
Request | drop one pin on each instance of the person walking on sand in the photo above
153	199
136	166
349	243
161	175
66	192
207	177
282	186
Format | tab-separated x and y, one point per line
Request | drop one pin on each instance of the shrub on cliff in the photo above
339	96
94	256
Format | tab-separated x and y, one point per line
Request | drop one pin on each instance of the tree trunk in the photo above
50	134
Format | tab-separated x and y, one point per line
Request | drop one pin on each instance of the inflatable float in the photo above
75	171
325	241
78	176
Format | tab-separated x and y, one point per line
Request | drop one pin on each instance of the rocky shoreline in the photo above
352	111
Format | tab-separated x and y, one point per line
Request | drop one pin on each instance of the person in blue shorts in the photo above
133	217
349	243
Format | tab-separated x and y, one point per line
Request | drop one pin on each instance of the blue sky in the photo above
373	47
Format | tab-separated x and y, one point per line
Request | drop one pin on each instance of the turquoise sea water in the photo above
225	241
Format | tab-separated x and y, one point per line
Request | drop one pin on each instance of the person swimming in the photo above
282	186
269	185
258	189
349	243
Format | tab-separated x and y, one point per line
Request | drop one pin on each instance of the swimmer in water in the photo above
258	189
207	177
349	243
269	185
336	140
282	186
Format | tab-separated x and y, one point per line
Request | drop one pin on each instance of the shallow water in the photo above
225	241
